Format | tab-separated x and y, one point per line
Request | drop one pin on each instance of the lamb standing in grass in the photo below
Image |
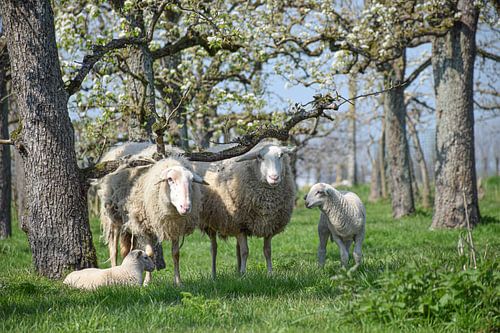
252	195
128	273
343	218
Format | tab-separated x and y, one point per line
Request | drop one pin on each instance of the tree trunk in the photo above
455	171
352	172
397	145
56	198
419	156
375	186
497	166
382	164
5	176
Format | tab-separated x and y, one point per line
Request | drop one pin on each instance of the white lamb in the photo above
128	273
154	203
252	195
343	218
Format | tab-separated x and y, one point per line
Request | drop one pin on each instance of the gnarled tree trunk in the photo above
352	167
455	171
57	217
5	176
396	142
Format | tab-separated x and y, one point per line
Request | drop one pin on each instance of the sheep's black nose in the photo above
305	196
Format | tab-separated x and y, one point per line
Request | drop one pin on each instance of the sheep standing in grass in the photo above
128	273
153	203
252	195
343	218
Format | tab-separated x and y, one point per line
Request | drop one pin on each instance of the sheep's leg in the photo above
324	235
175	258
213	250
358	241
125	244
344	253
113	245
238	256
267	254
242	241
151	254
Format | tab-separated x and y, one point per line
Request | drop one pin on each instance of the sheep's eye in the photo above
320	193
280	155
170	180
260	158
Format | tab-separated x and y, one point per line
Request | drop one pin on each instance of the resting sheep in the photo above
252	195
343	218
128	273
155	203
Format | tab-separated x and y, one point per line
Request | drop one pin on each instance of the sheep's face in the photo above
144	259
180	187
270	163
316	196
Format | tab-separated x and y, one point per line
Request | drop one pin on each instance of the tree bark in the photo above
352	167
397	145
5	175
382	163
455	171
375	185
57	217
419	156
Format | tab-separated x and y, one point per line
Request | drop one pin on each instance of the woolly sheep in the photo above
252	195
155	203
128	273
343	218
112	193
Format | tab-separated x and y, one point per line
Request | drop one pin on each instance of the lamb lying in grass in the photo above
343	218
128	273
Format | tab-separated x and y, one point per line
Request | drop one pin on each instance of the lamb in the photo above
343	218
155	203
128	273
251	195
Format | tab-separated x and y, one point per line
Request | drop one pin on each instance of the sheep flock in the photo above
252	195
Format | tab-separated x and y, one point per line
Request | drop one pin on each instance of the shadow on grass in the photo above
489	220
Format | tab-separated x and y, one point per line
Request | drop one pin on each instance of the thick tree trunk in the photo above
375	186
5	176
57	218
455	171
419	156
352	167
397	145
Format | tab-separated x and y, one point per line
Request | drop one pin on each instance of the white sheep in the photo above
128	273
155	203
343	218
252	195
111	193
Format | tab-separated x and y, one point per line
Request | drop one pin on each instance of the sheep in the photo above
343	218
155	203
128	273
251	195
112	192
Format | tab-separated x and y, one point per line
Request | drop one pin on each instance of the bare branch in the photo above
488	55
417	72
6	142
91	59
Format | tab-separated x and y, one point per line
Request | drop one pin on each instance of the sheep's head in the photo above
180	187
317	195
270	162
141	257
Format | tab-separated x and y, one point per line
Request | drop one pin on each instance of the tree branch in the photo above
91	59
417	72
488	55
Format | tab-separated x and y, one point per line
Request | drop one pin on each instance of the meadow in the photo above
411	280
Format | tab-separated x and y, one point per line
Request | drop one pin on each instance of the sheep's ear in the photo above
198	179
329	191
138	254
248	157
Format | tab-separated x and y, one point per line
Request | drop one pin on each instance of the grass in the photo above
410	281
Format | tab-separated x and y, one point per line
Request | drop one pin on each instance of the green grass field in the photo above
411	280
